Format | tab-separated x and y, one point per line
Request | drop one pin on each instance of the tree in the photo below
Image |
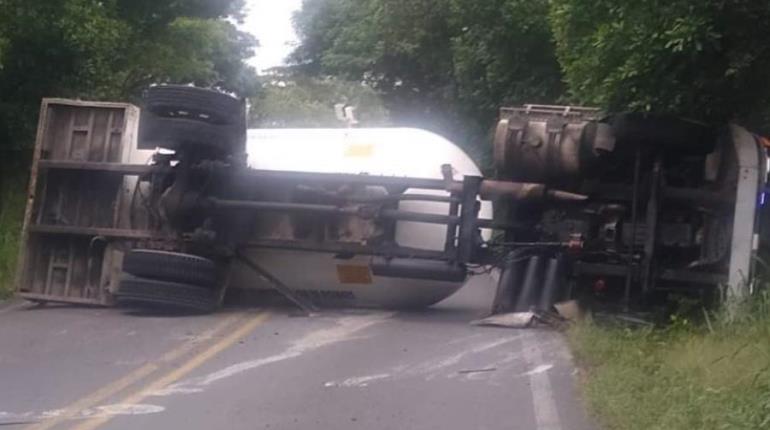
504	55
205	52
400	48
289	100
103	49
703	59
444	65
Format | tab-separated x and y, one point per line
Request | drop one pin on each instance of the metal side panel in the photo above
72	210
750	165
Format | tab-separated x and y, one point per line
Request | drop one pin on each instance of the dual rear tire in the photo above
170	280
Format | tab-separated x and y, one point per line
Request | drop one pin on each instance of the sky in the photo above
270	22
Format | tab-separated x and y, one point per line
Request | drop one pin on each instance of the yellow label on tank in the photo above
352	274
359	150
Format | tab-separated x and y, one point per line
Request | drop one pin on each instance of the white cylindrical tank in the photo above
401	152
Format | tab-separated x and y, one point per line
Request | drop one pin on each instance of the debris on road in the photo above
559	318
510	320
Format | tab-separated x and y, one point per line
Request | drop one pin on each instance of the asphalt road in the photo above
81	368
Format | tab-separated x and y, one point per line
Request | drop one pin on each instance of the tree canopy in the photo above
447	65
298	101
705	59
110	49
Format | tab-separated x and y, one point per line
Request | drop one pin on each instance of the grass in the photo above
680	377
12	192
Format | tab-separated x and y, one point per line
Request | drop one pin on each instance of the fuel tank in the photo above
349	280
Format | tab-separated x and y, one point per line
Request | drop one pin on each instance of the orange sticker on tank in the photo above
350	274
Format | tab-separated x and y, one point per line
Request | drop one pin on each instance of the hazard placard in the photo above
354	274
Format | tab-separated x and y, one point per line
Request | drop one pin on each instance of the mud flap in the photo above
529	282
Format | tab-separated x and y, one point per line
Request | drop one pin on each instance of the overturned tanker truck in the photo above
178	204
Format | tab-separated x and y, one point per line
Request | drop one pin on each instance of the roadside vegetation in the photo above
712	375
12	201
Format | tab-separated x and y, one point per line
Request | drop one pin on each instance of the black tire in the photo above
172	133
172	267
200	103
134	290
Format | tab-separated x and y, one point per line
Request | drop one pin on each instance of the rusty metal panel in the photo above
73	205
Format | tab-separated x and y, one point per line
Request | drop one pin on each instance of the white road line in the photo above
436	367
539	369
544	404
8	418
344	329
359	381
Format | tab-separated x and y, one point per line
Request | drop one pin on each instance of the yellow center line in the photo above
180	372
135	376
